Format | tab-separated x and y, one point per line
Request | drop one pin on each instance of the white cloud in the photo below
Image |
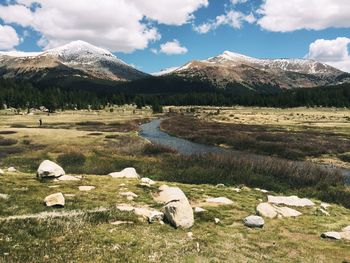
118	25
233	19
333	52
235	2
173	48
291	15
8	38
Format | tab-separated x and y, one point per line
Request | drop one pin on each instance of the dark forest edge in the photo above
156	92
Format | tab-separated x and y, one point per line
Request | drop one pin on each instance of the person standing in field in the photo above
40	122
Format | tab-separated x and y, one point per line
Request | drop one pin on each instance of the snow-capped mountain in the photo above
251	72
76	59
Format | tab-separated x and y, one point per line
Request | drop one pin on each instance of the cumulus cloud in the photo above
118	25
235	2
8	38
173	48
231	18
334	52
291	15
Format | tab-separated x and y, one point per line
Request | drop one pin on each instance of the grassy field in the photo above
93	144
321	135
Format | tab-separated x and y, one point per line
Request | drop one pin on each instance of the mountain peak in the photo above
229	55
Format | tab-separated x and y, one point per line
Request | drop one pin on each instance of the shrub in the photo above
155	149
7	142
71	159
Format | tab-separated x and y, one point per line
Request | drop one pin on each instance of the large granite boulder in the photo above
129	173
49	169
289	201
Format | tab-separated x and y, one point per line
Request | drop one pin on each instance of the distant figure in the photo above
40	122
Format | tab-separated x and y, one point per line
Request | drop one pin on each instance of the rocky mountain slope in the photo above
77	59
231	67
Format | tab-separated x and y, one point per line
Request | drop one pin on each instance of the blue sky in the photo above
136	30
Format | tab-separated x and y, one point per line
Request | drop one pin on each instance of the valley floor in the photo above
93	144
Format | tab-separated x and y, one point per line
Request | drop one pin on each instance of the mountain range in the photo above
81	61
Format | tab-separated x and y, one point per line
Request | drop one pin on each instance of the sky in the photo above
158	34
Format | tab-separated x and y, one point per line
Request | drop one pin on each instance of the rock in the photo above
219	201
331	235
266	210
129	173
287	212
168	194
290	201
2	172
68	178
220	186
237	190
323	212
179	213
345	235
86	188
346	229
325	206
122	185
199	210
48	169
273	211
55	200
125	208
216	220
129	194
4	196
254	221
12	170
54	186
147	182
117	223
190	235
151	215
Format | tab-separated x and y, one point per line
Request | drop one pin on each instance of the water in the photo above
152	132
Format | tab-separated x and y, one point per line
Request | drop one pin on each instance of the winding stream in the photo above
151	131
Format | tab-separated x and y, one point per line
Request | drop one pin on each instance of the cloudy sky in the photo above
157	34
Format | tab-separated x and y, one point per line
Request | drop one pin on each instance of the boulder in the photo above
129	173
345	235
287	212
12	170
346	229
2	172
55	200
254	221
147	182
289	201
331	235
151	215
179	213
48	169
86	188
266	210
219	200
68	178
199	210
168	194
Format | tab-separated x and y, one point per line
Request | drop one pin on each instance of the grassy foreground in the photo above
93	144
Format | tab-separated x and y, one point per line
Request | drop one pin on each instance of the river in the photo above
151	131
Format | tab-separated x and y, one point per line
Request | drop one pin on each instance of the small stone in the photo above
122	185
199	210
219	201
4	196
127	194
2	172
237	190
331	235
69	195
325	206
55	200
117	223
254	221
151	215
125	208
68	178
12	170
216	220
54	186
86	188
190	235
324	212
220	186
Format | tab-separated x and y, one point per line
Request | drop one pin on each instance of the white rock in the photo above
129	194
331	235
216	220
324	212
237	190
179	214
219	200
147	182
151	215
68	178
345	235
190	235
290	201
2	172
129	173
86	188
163	187
254	221
49	169
117	223
287	212
4	196
55	200
266	210
346	229
122	185
12	170
325	205
168	194
199	210
220	186
125	208
69	195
